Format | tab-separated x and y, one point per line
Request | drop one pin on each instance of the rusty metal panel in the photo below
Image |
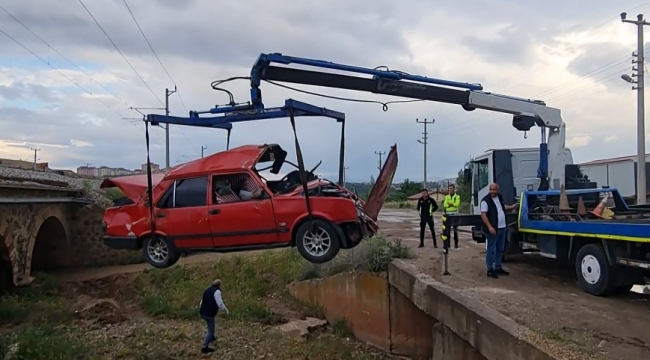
384	181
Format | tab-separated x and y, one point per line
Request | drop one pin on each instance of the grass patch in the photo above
45	343
247	279
41	301
373	255
341	328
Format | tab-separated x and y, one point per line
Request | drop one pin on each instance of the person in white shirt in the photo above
210	305
493	214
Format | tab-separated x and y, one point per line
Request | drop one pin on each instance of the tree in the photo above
462	188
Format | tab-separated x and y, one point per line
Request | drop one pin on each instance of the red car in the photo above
221	203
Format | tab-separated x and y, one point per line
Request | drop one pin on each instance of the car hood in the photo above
133	186
384	181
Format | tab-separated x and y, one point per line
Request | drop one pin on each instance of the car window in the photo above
233	188
185	193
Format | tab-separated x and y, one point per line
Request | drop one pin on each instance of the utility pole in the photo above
167	93
640	109
166	127
87	164
203	148
344	172
424	141
35	154
380	153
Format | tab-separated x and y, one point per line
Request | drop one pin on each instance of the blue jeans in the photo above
210	335
495	245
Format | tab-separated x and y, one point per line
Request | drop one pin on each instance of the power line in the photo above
176	90
154	52
119	51
59	53
60	73
449	111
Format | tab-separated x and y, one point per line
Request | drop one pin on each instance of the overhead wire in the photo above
63	56
61	73
120	51
135	20
517	84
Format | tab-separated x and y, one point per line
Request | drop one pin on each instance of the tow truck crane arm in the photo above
526	113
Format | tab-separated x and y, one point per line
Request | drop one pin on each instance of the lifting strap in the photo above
301	168
149	180
342	156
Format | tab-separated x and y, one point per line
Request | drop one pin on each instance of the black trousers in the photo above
423	224
455	230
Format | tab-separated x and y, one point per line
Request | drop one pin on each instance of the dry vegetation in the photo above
154	315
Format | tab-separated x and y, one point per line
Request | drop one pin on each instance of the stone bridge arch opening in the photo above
6	268
51	247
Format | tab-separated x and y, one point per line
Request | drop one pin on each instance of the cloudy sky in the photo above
568	53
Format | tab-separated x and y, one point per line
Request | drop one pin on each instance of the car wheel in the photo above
594	273
159	252
319	244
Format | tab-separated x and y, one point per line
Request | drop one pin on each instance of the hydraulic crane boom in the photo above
526	113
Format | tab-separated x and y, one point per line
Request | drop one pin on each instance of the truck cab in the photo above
515	170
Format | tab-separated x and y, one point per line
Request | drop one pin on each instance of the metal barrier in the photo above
446	231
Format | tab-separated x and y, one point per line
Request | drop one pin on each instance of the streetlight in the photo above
637	79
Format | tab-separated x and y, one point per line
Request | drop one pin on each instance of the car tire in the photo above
159	252
594	273
322	248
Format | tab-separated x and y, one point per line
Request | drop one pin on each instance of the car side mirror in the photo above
467	175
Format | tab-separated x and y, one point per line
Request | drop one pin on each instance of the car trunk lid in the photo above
133	186
384	181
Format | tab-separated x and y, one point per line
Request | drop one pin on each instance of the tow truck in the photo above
611	253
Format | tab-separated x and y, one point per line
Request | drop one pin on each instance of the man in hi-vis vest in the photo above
451	205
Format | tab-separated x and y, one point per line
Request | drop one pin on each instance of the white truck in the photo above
515	170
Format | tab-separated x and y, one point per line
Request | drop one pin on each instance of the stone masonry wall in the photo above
87	237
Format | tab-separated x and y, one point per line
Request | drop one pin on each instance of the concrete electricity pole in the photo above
380	153
167	93
640	109
35	154
424	141
203	148
344	171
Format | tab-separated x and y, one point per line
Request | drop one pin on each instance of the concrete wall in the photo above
410	314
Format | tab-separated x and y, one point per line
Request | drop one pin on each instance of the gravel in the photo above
9	175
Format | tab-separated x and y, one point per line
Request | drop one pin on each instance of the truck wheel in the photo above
159	252
320	244
595	275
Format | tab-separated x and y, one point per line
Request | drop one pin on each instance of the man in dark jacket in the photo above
210	305
493	214
427	206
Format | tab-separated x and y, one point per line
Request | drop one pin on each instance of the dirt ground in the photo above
539	294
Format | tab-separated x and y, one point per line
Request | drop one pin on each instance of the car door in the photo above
242	223
182	213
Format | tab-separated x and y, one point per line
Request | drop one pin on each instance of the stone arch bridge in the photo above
47	228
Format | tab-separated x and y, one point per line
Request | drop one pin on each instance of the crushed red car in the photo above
221	203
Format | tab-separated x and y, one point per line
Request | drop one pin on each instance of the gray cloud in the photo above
600	60
201	40
19	90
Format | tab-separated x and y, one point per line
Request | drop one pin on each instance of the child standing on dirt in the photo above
209	307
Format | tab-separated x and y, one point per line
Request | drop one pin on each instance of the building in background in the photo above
154	167
105	171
